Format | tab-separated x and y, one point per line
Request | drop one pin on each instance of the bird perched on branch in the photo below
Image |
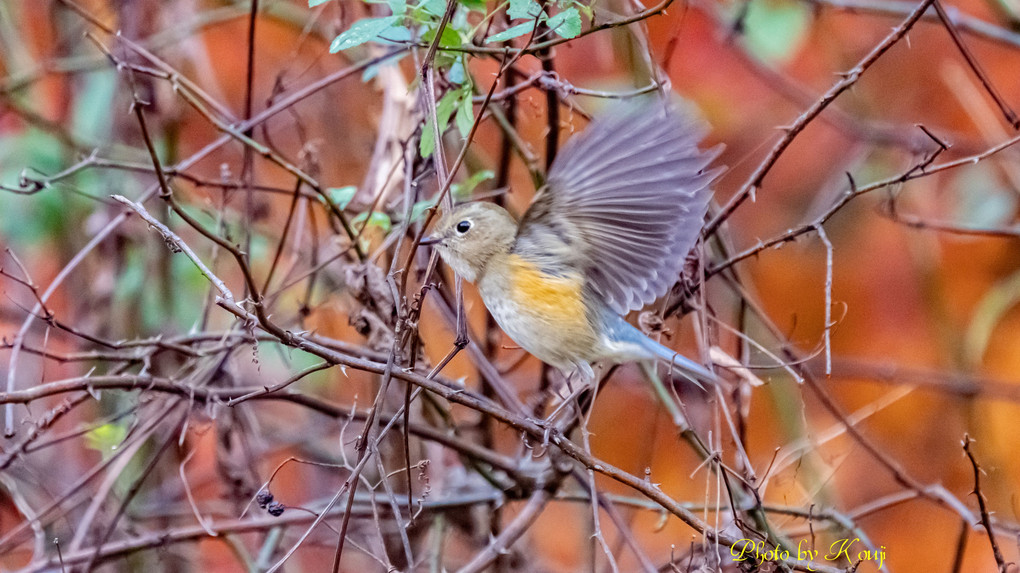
609	232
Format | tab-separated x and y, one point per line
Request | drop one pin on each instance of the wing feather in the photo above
623	203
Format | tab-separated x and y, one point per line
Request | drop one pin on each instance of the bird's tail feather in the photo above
625	332
681	364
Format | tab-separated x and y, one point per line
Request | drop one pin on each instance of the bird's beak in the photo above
430	240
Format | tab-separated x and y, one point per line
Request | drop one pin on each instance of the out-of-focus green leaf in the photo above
92	105
434	7
982	201
399	7
464	190
314	3
775	29
376	219
585	9
127	291
34	219
145	303
341	196
475	5
987	315
190	287
512	32
362	31
106	438
31	220
566	24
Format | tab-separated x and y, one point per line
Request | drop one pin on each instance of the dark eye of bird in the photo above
463	227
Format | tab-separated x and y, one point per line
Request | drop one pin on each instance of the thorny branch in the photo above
986	521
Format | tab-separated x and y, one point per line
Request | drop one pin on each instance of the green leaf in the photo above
464	190
585	9
47	215
427	144
512	32
566	24
444	109
981	201
450	39
95	98
341	196
774	29
456	73
362	31
434	7
476	5
419	208
314	3
465	117
988	314
523	9
395	35
399	7
446	106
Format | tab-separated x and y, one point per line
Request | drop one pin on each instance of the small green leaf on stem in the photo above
450	38
434	7
566	24
512	32
456	73
419	208
775	28
464	190
399	7
465	117
523	9
105	439
444	109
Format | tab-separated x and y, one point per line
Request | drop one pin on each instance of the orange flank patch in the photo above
557	299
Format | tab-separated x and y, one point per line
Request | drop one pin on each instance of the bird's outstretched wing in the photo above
623	203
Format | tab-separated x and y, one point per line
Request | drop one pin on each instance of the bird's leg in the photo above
570	400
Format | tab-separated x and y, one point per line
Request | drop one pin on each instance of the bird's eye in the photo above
463	226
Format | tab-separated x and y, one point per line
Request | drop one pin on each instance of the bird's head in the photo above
468	236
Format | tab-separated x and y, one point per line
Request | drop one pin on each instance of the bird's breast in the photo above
544	313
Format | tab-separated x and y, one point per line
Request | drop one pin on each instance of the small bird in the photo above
608	233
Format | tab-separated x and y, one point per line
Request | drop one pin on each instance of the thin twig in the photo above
177	245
